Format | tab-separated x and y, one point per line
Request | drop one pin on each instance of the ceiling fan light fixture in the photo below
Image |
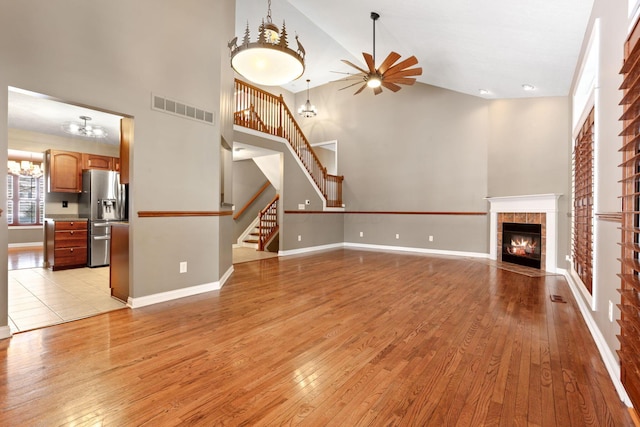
374	82
390	74
269	60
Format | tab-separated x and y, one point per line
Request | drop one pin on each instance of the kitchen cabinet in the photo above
119	261
66	244
64	171
96	161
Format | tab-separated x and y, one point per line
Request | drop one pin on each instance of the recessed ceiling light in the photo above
484	92
528	87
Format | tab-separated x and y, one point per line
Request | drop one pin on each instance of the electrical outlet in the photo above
610	311
301	206
361	234
299	238
65	204
397	236
183	266
431	238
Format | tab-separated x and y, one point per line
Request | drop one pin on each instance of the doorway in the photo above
37	296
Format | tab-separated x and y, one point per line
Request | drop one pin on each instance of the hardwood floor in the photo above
342	338
25	257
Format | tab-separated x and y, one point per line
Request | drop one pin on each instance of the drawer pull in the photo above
71	222
71	231
71	249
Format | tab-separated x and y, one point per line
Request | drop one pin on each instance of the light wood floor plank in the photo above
343	337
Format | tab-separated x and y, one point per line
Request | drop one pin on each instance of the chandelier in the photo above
307	110
268	61
83	129
24	168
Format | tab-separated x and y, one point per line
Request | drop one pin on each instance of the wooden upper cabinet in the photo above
64	171
96	161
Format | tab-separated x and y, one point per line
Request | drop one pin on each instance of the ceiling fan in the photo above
389	74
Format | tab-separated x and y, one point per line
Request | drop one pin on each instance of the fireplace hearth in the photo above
522	244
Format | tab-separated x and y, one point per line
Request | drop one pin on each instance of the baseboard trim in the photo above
5	332
417	250
610	362
350	245
179	293
310	249
26	245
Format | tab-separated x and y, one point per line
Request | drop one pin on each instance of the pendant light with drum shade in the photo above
269	60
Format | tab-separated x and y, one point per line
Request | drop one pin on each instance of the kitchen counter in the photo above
63	217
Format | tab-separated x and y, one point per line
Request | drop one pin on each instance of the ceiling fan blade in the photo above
400	80
377	90
354	66
352	84
361	89
388	62
370	63
403	73
391	86
342	72
409	62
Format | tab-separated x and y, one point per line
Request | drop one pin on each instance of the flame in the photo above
522	247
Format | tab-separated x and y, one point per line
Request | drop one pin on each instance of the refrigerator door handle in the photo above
101	237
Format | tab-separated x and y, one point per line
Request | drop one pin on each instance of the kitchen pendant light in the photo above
83	129
307	110
268	61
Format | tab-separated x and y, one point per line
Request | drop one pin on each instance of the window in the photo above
25	199
582	247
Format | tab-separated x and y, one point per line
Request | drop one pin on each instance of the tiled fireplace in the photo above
539	209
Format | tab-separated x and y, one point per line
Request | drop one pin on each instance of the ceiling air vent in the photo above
181	109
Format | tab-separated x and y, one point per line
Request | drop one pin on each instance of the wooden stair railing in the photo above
253	199
268	223
262	111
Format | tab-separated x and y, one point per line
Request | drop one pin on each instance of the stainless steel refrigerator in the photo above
102	201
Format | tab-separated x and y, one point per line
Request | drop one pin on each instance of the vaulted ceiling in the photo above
462	45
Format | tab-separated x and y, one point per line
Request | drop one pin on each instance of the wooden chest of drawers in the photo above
66	244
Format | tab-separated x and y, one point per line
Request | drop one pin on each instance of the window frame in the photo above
14	199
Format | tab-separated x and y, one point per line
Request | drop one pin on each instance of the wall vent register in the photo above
177	108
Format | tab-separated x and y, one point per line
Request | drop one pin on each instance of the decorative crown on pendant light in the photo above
83	129
268	61
306	109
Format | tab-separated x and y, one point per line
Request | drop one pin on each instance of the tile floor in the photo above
39	297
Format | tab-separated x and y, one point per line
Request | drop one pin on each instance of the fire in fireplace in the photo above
521	244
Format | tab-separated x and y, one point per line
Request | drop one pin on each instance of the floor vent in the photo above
177	108
557	298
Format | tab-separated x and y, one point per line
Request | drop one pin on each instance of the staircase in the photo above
265	227
252	239
262	111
